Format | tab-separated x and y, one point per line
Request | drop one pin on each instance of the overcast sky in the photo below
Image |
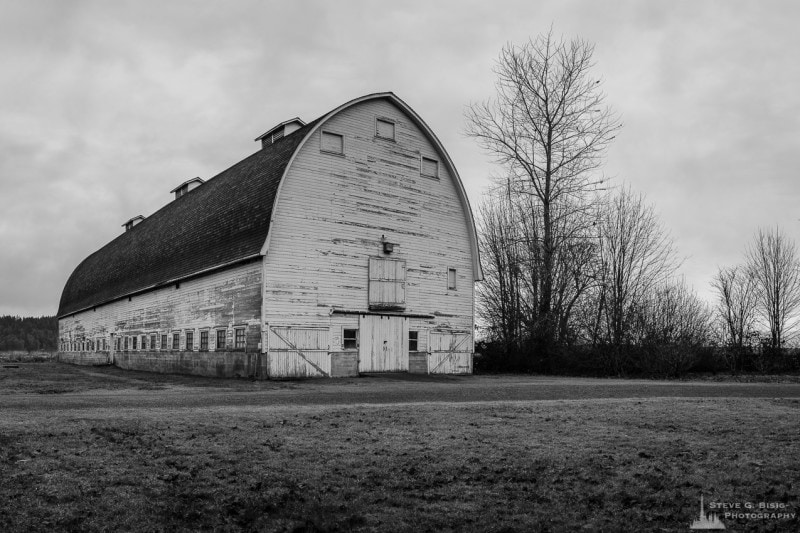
107	106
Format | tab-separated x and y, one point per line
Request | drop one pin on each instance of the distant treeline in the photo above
28	333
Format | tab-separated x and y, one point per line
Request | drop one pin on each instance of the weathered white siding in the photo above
225	300
333	212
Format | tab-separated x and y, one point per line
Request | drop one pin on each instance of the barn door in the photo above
383	345
298	352
450	352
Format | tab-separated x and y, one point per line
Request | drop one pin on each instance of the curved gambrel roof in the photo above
223	222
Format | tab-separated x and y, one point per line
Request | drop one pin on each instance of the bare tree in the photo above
637	255
500	294
736	304
673	324
773	263
549	127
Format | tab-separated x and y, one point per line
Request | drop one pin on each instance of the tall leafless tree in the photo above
549	126
773	263
736	304
637	255
500	294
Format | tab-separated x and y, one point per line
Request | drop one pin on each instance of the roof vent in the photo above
132	222
187	186
281	130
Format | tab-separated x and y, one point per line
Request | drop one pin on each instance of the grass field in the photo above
553	465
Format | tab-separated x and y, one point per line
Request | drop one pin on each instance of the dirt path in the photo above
387	389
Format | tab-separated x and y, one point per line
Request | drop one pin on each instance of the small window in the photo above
220	339
152	341
350	339
133	342
144	342
189	341
241	340
429	168
384	128
451	279
163	341
176	341
413	341
332	143
203	341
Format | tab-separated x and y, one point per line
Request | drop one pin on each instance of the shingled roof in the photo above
223	222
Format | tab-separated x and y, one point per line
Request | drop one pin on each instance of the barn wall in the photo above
331	215
221	301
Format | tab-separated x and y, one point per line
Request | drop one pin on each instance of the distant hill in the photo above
28	333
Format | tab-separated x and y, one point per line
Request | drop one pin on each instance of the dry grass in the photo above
591	465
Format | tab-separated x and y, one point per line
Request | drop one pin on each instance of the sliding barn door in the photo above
383	345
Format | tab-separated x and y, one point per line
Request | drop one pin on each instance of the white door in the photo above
383	344
450	352
298	352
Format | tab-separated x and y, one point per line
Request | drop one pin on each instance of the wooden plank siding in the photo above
225	300
335	210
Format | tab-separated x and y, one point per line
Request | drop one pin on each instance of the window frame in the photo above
217	346
176	340
422	173
353	339
454	285
385	120
236	338
414	340
322	148
204	340
189	336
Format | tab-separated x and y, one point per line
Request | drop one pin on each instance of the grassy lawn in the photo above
563	465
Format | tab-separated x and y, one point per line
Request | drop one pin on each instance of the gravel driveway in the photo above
375	389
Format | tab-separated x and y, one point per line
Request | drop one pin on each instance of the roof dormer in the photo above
187	186
132	222
281	130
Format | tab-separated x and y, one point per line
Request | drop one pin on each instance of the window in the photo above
204	341
451	279
387	283
384	128
429	167
163	341
176	341
144	342
126	344
350	339
220	339
152	341
189	341
413	341
332	143
240	338
133	342
116	344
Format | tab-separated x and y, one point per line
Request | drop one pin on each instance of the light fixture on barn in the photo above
388	247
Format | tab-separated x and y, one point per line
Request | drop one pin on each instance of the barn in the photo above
342	246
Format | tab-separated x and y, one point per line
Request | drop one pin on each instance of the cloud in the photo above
108	105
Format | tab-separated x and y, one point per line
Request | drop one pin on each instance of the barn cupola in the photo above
280	131
187	186
132	222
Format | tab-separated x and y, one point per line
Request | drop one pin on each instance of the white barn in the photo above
345	245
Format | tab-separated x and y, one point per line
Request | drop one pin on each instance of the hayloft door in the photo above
383	343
